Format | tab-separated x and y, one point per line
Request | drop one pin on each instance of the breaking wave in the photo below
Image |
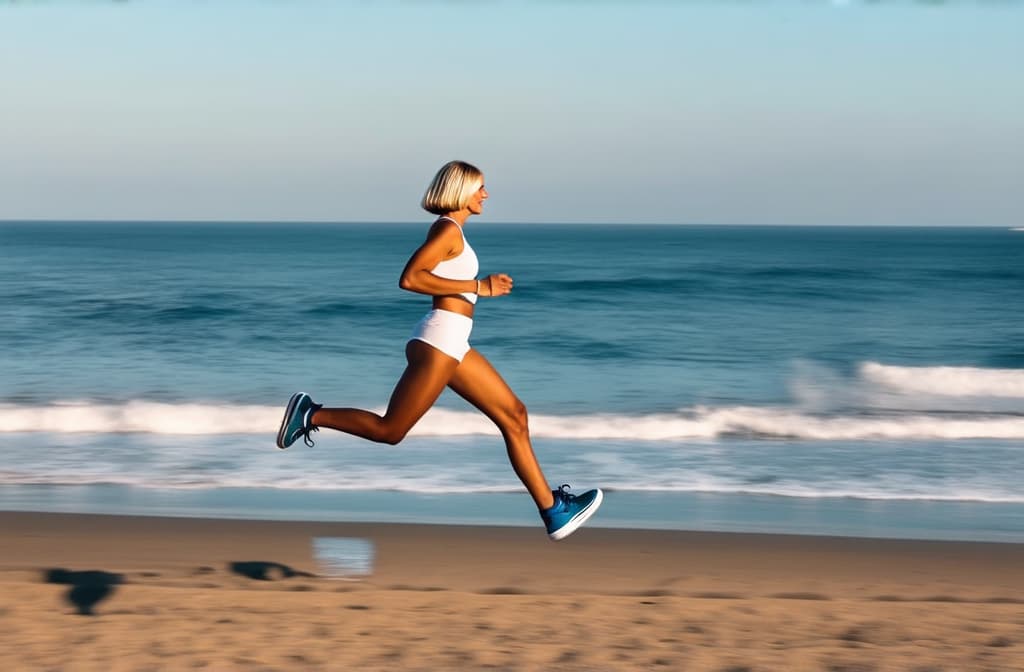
949	381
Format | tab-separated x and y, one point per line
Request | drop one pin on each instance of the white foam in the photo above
948	381
139	417
410	481
698	422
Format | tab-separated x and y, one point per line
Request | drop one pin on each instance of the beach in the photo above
809	465
753	269
190	593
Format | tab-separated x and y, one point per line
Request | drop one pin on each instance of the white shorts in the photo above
446	331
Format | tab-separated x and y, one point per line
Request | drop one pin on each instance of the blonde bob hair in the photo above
451	187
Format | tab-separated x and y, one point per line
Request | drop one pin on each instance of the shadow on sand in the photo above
88	588
266	571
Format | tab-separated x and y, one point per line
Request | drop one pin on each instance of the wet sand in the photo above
174	594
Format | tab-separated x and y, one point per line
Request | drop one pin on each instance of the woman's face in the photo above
476	201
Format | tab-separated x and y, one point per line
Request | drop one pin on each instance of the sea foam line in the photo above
698	422
415	484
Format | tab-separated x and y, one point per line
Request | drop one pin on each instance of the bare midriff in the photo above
454	304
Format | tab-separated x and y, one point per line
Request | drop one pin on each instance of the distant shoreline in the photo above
729	513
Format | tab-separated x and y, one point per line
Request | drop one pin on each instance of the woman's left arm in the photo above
443	241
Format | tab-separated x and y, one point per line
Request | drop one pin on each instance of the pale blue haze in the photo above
894	113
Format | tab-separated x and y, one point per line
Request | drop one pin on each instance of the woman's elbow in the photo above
407	283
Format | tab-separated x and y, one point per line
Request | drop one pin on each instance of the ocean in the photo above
860	381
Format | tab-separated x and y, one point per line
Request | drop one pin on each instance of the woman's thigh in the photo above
479	383
425	377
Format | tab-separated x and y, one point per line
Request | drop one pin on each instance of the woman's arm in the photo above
443	242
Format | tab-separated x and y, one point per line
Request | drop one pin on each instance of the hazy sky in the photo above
798	112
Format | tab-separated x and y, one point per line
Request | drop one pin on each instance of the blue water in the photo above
815	379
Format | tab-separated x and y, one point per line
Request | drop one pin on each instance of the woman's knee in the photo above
516	419
391	434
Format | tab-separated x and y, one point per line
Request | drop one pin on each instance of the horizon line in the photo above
327	222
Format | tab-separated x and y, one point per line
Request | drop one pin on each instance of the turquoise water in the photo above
814	379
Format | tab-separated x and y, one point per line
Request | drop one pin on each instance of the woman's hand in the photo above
496	284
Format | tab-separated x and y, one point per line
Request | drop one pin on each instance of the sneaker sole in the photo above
288	411
578	520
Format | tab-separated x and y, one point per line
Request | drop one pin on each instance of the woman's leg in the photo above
480	384
425	376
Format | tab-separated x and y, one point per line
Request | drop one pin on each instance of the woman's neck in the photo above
457	216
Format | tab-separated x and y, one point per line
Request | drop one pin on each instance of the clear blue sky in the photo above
783	112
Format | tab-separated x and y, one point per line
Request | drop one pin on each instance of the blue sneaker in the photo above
569	511
296	421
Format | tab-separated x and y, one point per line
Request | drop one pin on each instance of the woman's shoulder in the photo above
444	228
446	235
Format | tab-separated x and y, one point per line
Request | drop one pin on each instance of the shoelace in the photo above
306	430
563	495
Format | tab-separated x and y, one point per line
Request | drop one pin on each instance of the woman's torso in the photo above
463	266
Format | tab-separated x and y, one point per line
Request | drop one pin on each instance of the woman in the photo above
439	354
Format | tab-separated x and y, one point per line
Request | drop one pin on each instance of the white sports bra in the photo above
463	267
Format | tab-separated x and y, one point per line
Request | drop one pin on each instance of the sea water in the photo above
822	380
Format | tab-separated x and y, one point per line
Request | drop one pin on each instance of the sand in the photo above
164	595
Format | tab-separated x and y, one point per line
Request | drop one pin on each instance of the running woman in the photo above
439	354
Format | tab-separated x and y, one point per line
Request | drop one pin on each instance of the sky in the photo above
693	112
